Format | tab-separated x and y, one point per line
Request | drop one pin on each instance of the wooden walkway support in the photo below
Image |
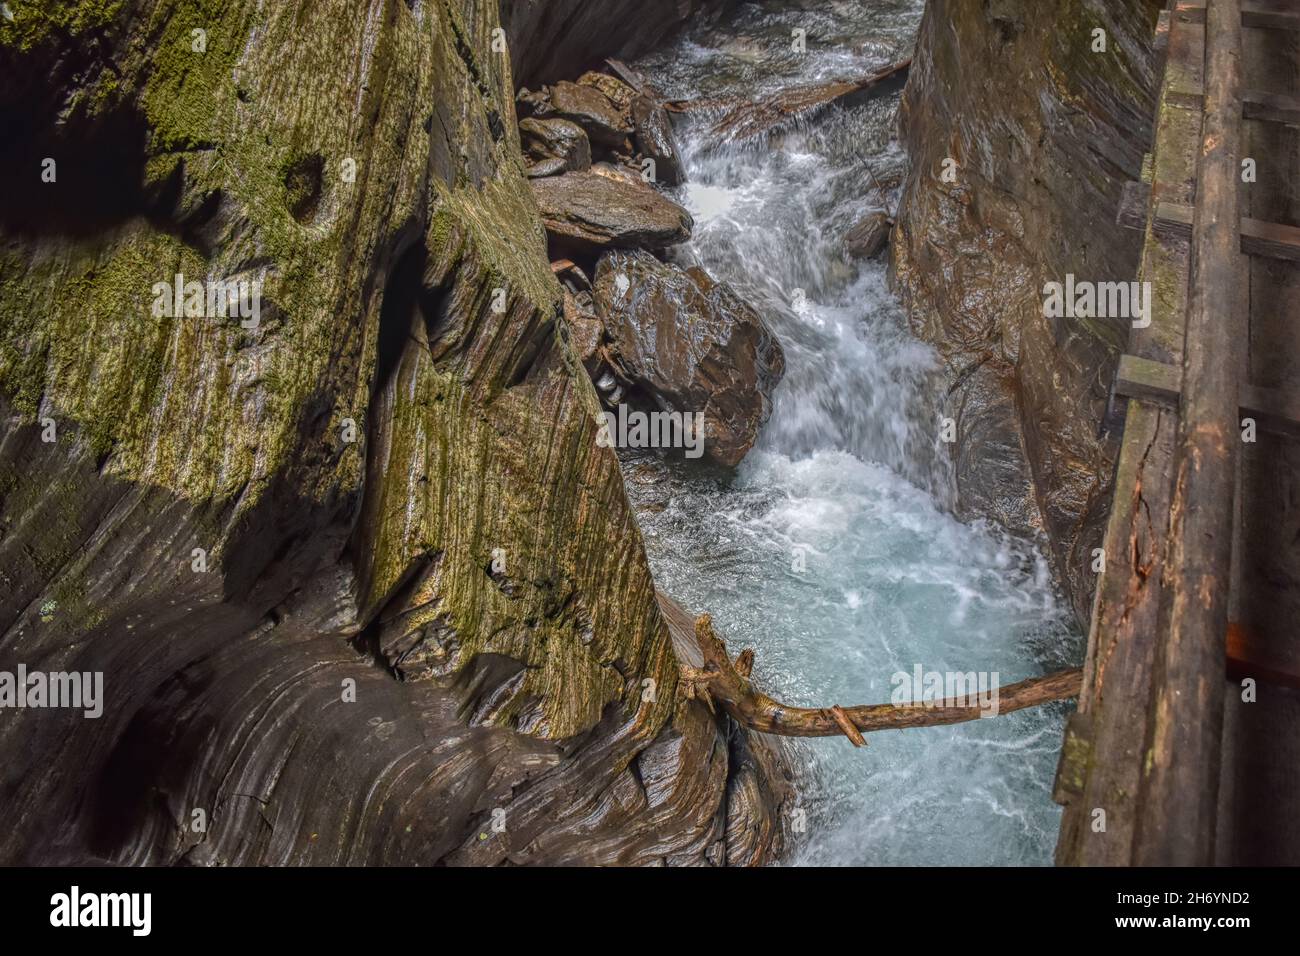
1180	784
1169	759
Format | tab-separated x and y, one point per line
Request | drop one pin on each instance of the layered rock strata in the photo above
361	584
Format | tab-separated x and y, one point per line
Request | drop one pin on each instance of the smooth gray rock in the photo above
546	167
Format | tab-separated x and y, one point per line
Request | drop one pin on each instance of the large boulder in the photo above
591	109
652	130
685	343
561	139
618	92
590	212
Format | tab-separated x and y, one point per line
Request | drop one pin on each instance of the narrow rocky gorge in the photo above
362	568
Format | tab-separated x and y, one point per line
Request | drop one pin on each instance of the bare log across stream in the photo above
742	120
725	683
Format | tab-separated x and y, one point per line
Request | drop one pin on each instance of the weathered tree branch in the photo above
743	119
727	684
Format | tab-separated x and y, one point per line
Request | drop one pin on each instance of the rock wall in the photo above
559	39
362	586
1044	132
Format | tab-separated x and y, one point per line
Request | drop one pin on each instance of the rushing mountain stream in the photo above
833	550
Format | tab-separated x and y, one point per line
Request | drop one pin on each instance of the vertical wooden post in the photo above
1180	782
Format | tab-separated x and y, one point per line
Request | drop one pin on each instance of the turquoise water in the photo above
832	550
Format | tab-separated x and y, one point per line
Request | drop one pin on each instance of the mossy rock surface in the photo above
236	520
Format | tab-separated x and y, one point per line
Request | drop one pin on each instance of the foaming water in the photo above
832	550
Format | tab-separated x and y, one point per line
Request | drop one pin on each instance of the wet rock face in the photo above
686	343
867	239
1043	133
361	584
589	212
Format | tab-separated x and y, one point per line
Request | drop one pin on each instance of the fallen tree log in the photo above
745	119
719	682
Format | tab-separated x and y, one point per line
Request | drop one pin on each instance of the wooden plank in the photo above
1262	16
1123	628
1274	409
1264	640
1186	99
1178	799
1271	107
1174	220
1149	380
1272	239
1120	649
1255	105
1160	45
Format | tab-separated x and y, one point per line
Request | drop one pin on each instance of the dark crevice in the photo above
401	299
466	54
98	176
302	184
367	641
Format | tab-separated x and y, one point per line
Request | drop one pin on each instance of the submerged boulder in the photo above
591	212
867	239
689	344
